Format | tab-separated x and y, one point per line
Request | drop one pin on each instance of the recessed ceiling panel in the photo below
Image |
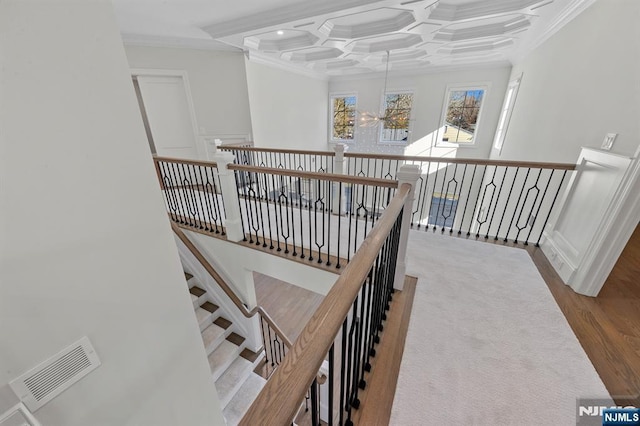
281	40
445	11
486	45
365	24
384	43
312	54
479	28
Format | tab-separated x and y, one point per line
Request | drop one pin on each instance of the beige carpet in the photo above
487	344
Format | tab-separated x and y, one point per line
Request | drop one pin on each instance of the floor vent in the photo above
41	384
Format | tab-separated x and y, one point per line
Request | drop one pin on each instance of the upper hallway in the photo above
85	240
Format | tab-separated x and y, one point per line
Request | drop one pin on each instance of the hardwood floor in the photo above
608	327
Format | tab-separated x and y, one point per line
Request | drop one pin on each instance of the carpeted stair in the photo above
232	364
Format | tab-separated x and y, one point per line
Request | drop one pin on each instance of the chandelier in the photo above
370	119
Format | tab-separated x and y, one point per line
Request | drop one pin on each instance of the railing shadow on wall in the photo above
501	200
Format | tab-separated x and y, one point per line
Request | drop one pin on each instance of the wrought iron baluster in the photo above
506	205
475	206
515	209
491	185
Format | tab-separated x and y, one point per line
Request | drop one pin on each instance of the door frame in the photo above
182	74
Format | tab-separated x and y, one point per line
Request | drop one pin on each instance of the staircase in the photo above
232	364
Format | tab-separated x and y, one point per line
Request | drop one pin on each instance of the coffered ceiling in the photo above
351	36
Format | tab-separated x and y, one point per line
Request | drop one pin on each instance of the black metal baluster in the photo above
506	204
315	414
276	208
266	206
515	209
444	178
300	217
464	213
329	184
491	185
433	191
535	217
291	216
455	199
330	385
343	359
524	203
484	172
506	170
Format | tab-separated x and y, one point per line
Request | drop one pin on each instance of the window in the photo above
505	113
461	115
397	116
343	117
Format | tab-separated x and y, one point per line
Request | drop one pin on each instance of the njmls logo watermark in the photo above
604	412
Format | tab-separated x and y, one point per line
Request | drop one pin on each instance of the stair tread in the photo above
222	357
242	400
236	338
211	334
187	276
197	291
249	355
222	322
232	379
208	306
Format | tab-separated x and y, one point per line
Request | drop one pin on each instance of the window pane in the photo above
461	118
343	120
397	115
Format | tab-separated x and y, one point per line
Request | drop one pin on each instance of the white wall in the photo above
579	85
217	79
429	90
86	247
288	110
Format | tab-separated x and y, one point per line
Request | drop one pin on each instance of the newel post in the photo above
407	174
338	168
229	190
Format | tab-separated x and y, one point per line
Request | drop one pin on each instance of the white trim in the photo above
485	86
621	219
153	72
508	111
333	95
587	269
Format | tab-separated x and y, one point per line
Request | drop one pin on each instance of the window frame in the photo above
445	106
505	113
383	108
333	96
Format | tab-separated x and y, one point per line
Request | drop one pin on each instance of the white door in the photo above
169	116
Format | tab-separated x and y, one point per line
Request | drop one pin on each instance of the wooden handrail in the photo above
277	150
225	287
279	400
186	161
387	183
475	161
480	162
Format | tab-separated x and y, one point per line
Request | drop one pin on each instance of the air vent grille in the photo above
49	379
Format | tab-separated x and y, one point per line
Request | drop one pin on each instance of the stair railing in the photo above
275	342
344	330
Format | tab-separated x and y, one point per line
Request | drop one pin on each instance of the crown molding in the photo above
280	16
277	64
176	42
575	8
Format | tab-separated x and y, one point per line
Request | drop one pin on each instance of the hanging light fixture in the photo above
369	119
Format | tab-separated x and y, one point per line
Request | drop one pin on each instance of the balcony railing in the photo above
501	200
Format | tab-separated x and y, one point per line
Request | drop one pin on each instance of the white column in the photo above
338	168
229	190
407	174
